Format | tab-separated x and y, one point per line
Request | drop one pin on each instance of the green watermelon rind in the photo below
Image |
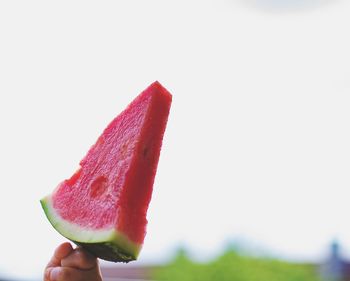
107	244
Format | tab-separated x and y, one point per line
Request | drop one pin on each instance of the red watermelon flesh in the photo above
103	206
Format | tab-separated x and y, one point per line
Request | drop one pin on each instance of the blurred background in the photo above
253	179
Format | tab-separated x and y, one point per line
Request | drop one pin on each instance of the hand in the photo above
68	264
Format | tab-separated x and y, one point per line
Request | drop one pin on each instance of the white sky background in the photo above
257	146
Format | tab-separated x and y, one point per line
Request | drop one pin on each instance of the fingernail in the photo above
54	273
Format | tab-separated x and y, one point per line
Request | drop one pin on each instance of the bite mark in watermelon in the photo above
103	205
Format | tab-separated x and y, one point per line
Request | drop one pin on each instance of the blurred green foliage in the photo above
232	266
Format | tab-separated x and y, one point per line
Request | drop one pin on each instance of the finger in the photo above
79	259
61	252
73	274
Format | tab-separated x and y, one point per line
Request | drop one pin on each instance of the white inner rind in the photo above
78	233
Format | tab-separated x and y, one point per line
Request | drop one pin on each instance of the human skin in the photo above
68	264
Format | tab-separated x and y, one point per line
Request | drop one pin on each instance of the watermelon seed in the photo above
145	151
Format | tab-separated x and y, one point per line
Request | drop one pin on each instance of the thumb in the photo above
80	259
60	253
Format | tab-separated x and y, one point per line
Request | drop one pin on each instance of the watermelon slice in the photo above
103	206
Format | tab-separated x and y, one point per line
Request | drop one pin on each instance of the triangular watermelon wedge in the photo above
103	206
